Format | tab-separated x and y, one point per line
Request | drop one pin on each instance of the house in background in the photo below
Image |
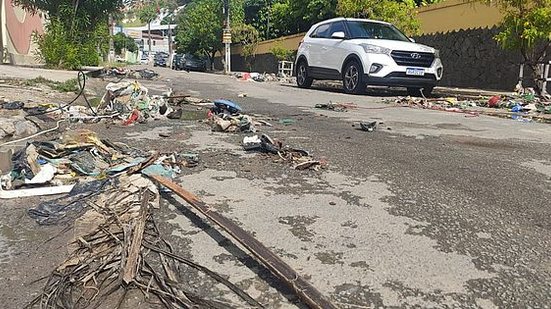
17	27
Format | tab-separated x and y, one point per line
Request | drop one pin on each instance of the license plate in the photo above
415	72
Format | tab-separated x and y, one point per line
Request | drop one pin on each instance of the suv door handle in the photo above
324	48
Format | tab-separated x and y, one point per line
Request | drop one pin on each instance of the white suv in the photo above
366	52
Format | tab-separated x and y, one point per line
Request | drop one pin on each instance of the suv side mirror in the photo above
412	40
338	35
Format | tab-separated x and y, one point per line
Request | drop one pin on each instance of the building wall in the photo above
452	15
17	31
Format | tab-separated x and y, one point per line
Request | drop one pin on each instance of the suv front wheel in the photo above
352	78
303	78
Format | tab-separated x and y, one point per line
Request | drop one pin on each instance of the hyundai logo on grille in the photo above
415	56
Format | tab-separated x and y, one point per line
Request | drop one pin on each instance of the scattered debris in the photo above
337	107
225	116
226	107
299	159
287	121
118	247
131	102
13	105
123	72
80	156
523	104
261	77
368	126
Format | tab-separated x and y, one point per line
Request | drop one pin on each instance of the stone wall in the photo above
263	63
473	59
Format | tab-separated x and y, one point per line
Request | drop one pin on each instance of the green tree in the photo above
294	16
403	14
121	42
526	27
200	26
147	14
76	32
248	37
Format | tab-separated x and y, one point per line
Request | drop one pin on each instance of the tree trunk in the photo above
211	58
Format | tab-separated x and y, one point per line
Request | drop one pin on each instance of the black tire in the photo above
303	75
353	78
420	92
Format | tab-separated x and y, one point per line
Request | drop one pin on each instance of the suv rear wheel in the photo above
303	78
352	78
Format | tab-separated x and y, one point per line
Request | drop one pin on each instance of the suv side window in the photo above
322	32
337	27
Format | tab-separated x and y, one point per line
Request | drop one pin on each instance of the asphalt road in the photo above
432	210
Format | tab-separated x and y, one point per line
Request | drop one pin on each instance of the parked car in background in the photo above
194	63
160	60
178	62
363	52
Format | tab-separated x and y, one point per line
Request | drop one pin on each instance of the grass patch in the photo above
70	85
94	101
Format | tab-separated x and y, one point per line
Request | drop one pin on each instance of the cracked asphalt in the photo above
432	210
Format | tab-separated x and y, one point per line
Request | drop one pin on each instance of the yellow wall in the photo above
456	15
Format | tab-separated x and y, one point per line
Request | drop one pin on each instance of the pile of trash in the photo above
53	167
263	77
117	247
122	72
131	102
226	116
523	107
298	158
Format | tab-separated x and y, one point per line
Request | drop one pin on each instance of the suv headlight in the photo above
374	49
436	53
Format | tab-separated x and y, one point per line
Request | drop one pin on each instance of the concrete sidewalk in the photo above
11	71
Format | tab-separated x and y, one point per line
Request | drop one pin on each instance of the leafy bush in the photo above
57	49
282	53
121	41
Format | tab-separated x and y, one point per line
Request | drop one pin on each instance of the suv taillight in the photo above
300	44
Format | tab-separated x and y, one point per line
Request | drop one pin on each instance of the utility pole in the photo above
1	32
227	38
149	39
170	42
111	56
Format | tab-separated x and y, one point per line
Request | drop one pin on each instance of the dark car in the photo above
194	63
160	60
178	62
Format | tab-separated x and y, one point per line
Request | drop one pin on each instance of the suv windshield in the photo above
371	30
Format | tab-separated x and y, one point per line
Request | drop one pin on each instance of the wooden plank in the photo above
131	265
304	290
